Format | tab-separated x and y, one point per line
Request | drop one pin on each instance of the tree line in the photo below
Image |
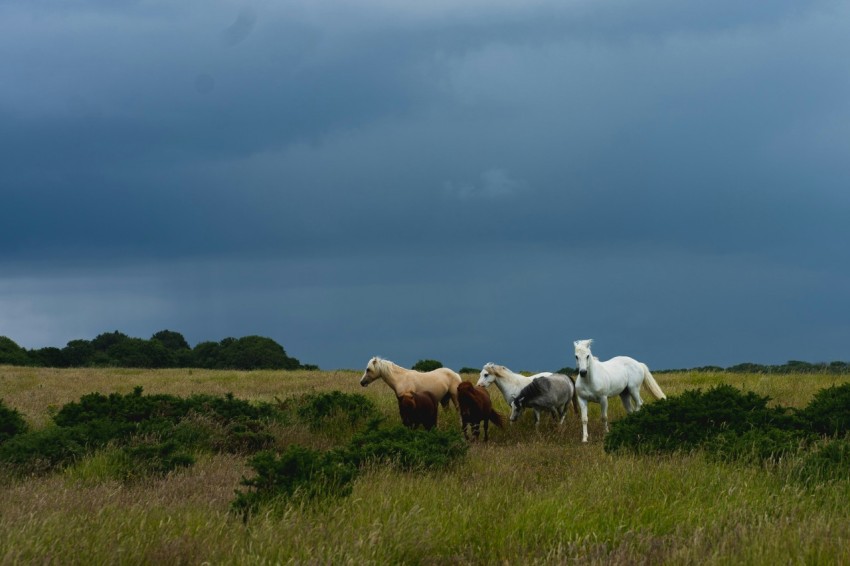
165	349
791	366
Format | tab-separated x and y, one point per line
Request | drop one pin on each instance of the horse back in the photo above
474	402
547	390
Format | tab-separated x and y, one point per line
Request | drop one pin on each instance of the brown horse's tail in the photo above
497	419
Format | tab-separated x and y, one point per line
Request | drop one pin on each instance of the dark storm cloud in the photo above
468	179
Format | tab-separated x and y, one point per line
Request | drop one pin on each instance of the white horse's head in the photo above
583	355
373	371
486	377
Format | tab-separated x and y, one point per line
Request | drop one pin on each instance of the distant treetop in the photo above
165	349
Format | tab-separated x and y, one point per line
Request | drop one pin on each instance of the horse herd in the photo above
420	393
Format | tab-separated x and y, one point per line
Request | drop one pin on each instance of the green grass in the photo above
529	496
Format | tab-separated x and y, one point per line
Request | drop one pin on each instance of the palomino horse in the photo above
597	381
475	406
441	383
417	409
508	382
551	393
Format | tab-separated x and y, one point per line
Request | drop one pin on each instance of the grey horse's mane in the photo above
536	388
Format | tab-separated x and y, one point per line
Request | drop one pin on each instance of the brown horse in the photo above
475	406
417	409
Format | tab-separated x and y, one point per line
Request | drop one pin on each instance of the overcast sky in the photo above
468	181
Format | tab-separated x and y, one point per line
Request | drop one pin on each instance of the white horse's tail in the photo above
651	384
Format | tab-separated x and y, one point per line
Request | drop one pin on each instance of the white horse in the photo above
597	381
508	382
441	383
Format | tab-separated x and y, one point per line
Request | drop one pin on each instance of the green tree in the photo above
206	355
78	353
254	352
427	365
174	341
49	357
103	342
138	353
177	345
12	354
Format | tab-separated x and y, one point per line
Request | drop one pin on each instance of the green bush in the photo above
155	458
309	474
694	418
317	410
407	449
829	411
43	450
756	445
11	423
830	461
172	426
298	472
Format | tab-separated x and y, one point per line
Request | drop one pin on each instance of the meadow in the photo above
529	496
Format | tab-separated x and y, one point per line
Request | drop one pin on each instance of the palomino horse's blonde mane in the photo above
381	366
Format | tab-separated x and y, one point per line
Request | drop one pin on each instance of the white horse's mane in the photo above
583	344
490	367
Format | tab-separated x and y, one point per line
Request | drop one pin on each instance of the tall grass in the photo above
529	496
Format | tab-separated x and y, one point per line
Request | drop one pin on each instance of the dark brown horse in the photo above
417	409
475	406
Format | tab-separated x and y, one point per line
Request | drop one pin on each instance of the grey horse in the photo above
547	393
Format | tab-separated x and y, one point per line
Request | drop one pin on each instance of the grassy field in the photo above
529	496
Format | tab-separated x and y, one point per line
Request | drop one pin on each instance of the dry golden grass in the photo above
529	496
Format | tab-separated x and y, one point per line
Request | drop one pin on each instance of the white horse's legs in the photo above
582	405
603	403
536	418
636	398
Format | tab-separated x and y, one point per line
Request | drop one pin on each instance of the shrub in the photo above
427	365
406	448
200	422
43	450
829	411
317	410
692	419
132	408
11	423
155	458
298	472
831	461
756	445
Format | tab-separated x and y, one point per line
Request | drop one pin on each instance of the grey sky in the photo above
468	181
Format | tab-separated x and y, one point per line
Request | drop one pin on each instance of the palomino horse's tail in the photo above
651	384
497	419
